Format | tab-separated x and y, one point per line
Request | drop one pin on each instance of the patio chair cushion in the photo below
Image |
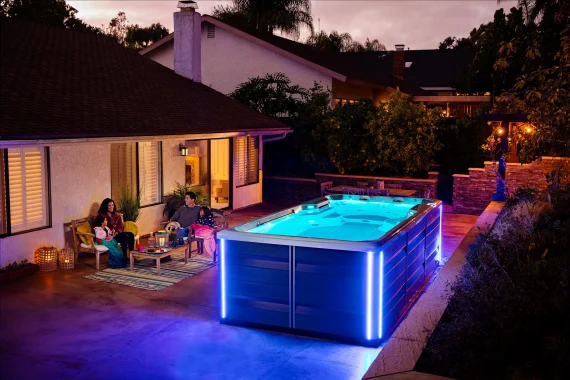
131	227
98	247
86	229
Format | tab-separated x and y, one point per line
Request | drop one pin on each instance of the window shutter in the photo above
253	160
149	172
123	168
241	161
27	181
3	204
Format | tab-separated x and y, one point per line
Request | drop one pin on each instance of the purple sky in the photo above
417	24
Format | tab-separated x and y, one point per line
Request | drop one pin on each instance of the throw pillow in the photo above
85	227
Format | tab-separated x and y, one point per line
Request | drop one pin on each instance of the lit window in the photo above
24	203
246	160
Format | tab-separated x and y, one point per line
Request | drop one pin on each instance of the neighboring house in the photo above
82	116
231	56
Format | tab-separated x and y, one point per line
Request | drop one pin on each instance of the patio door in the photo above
220	184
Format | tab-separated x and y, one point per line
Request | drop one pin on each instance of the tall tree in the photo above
342	42
134	36
49	12
268	16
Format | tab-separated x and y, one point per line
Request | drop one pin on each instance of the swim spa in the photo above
344	267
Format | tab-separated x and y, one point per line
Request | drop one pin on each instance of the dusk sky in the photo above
417	24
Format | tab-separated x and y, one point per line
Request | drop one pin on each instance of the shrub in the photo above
508	317
15	266
523	194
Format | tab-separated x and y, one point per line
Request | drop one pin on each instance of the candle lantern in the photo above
47	259
66	258
162	239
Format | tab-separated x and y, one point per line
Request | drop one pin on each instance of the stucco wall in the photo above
473	192
80	179
163	55
228	60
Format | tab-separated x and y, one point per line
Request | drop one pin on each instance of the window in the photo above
137	166
343	101
24	189
246	160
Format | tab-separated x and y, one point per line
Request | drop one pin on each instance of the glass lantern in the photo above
162	239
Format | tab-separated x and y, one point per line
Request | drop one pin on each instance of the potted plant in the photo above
129	204
175	199
16	270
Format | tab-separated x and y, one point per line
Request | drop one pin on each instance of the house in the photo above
231	56
83	117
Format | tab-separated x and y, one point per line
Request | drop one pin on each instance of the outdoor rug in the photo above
144	274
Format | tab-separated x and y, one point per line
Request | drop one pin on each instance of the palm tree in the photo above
534	9
267	16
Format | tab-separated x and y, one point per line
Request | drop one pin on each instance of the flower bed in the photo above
508	317
17	270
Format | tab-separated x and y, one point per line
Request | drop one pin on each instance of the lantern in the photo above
183	150
47	259
162	239
66	258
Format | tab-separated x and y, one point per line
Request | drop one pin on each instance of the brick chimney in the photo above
187	44
398	63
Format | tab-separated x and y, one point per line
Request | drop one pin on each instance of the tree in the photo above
140	37
341	42
117	28
405	135
55	13
267	16
349	143
544	95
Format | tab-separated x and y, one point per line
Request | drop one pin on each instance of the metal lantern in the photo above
162	239
66	258
47	259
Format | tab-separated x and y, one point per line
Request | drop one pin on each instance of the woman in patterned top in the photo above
116	225
204	227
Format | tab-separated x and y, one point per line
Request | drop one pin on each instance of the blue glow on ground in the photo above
440	248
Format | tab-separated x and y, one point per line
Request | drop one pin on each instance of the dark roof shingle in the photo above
58	83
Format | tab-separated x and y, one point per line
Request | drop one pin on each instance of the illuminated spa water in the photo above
343	219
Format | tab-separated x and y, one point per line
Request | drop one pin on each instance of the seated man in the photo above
186	215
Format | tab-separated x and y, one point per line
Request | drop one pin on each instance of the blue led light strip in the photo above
440	248
223	276
381	295
369	296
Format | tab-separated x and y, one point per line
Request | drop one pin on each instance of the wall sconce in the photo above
183	150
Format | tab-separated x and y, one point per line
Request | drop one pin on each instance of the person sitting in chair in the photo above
186	215
104	236
117	226
204	227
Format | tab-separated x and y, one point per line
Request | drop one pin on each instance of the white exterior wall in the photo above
228	60
244	196
80	177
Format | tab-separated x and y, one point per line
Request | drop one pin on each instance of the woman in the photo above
116	225
204	227
104	236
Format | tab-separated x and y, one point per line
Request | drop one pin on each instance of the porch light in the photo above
528	130
183	150
500	131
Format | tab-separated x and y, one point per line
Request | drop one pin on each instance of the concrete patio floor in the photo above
59	325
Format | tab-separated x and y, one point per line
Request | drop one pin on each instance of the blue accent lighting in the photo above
369	295
381	295
223	276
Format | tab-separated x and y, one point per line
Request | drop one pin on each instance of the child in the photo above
204	227
104	236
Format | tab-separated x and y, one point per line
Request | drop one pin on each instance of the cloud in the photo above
417	24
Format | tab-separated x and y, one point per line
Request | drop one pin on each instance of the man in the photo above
187	214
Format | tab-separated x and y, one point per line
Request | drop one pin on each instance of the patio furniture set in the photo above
84	241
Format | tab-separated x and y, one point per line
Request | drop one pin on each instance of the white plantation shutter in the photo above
28	191
150	172
246	160
3	204
241	161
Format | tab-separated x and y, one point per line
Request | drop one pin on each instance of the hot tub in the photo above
344	267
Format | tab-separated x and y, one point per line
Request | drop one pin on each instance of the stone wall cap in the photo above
477	169
461	175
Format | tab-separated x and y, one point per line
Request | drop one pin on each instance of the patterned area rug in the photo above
144	274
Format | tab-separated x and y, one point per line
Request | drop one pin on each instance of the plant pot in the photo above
14	274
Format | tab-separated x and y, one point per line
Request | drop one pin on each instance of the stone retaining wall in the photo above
472	193
302	189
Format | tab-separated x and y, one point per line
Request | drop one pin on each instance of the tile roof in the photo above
57	83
